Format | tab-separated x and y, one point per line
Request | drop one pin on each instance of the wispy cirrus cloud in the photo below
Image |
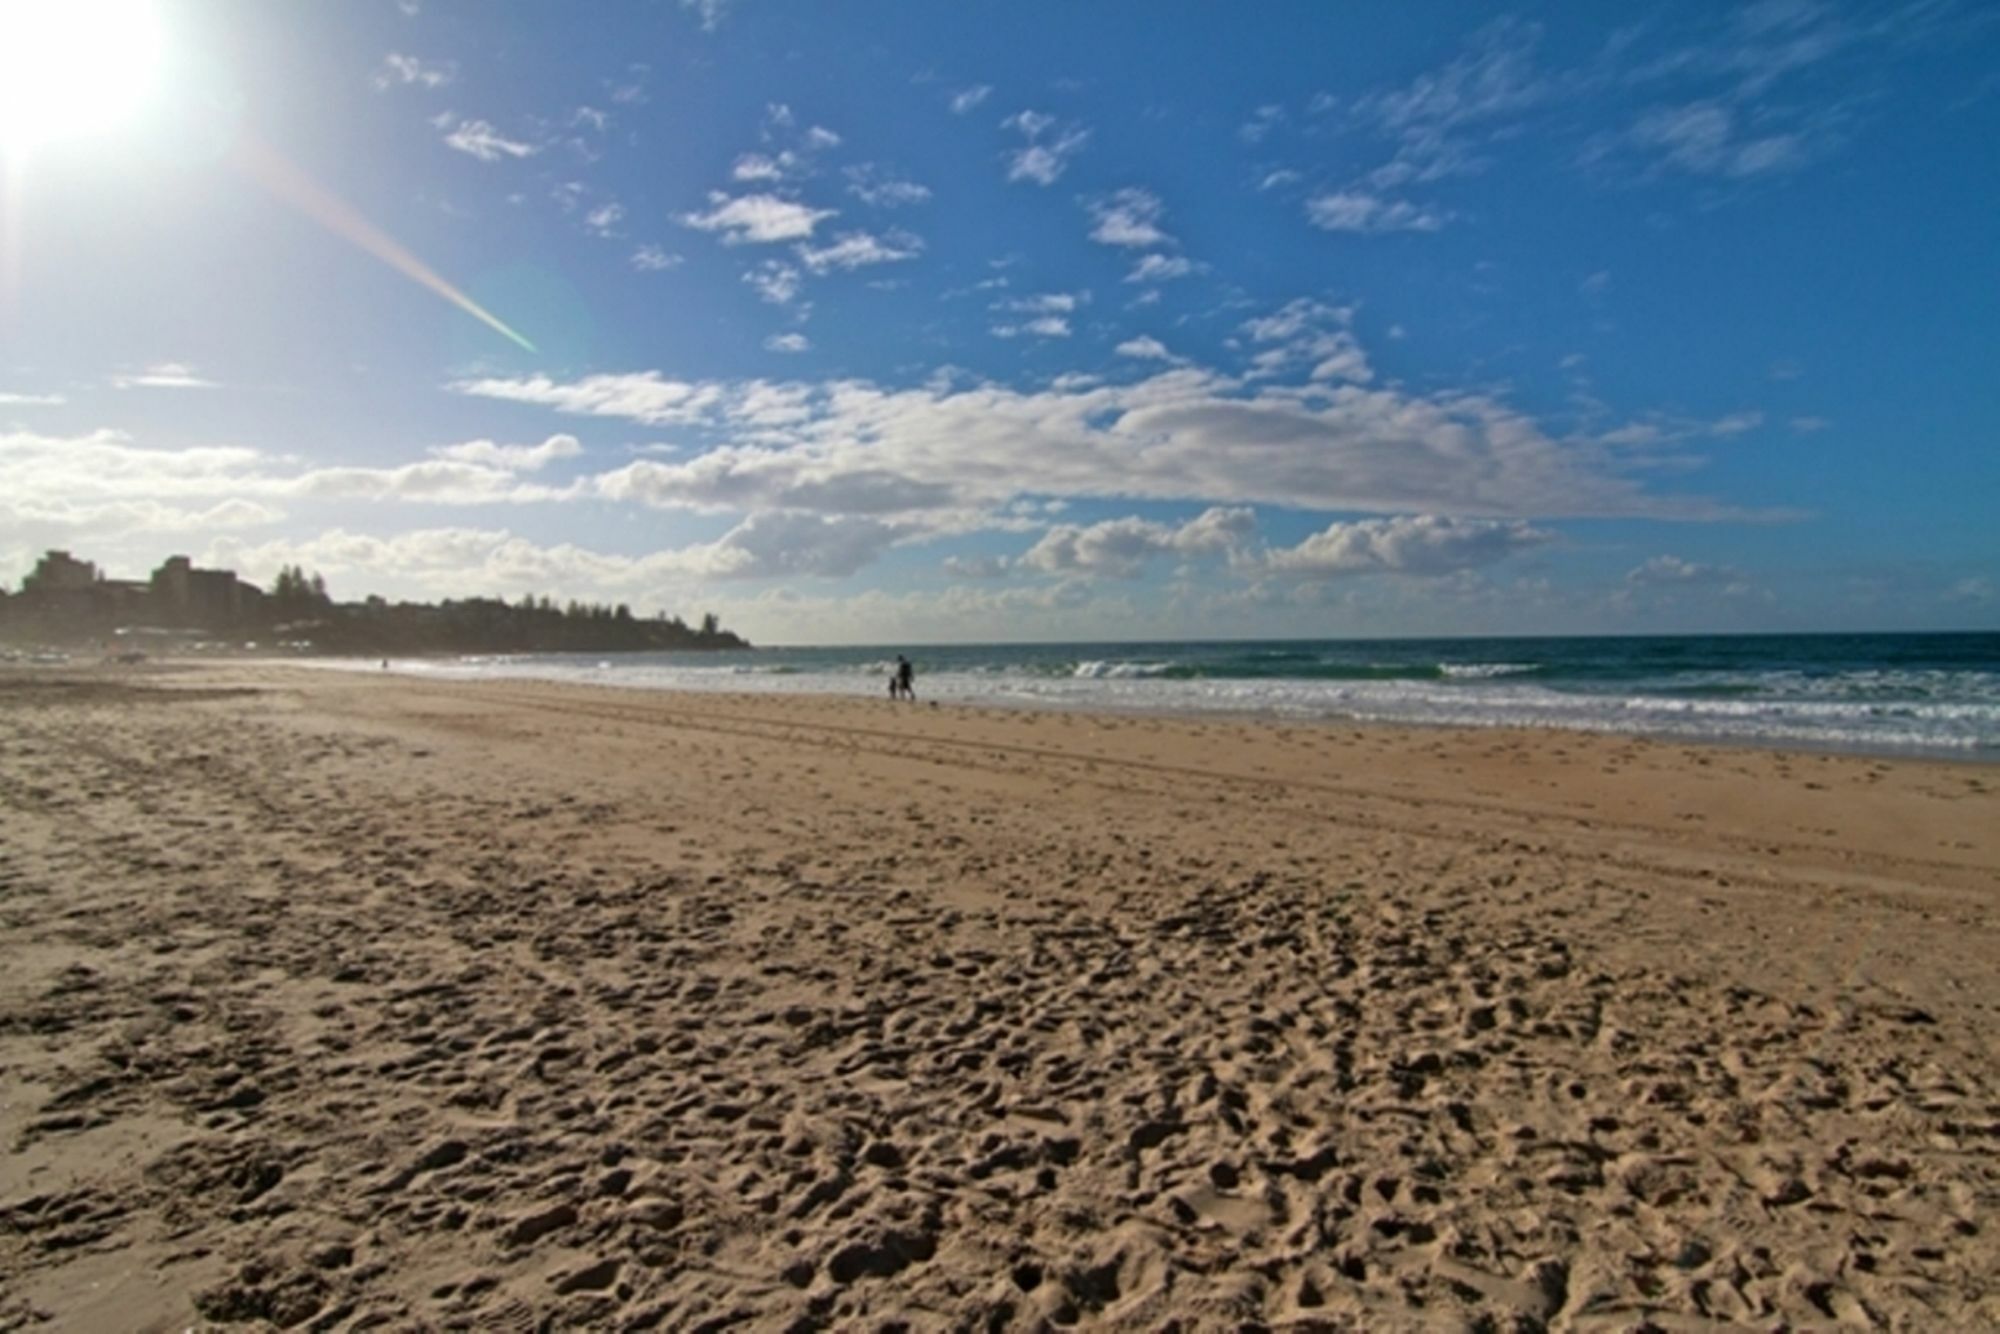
709	13
1161	268
401	71
1043	326
1353	211
878	188
1049	148
654	259
965	99
479	139
854	250
1311	334
1713	138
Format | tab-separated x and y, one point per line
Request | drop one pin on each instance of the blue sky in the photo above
921	323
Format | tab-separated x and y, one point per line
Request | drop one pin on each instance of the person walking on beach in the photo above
901	684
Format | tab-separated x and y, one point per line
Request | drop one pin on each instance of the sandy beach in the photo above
342	1001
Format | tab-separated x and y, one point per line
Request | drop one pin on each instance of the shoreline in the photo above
338	998
1971	755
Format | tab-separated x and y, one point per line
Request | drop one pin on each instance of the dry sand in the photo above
344	1002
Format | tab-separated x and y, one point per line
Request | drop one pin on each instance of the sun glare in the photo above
72	69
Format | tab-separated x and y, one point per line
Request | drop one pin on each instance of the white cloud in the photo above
787	342
767	546
1044	303
511	458
775	281
454	560
107	466
1736	423
1973	590
104	465
1048	326
1295	318
1120	548
604	219
653	259
1674	570
1129	217
750	479
164	375
401	71
1145	348
1283	176
1264	120
631	92
977	567
760	219
1184	434
1352	211
853	250
766	167
819	137
1421	544
1160	269
967	98
482	141
31	400
1308	332
57	520
1442	118
874	187
710	13
1662	581
1049	148
1707	138
436	482
645	397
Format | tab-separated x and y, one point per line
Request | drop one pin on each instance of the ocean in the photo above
1926	694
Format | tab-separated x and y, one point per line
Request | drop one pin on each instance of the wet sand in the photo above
342	1001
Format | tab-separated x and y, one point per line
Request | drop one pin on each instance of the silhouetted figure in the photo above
901	683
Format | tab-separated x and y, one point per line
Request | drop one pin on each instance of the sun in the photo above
72	69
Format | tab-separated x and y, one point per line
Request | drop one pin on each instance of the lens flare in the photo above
263	165
71	69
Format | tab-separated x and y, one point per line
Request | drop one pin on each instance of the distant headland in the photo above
66	600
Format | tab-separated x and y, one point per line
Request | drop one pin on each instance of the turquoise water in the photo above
1928	694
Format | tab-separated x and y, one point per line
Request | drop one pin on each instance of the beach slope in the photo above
339	1001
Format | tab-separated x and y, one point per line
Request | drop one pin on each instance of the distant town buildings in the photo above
67	601
69	595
